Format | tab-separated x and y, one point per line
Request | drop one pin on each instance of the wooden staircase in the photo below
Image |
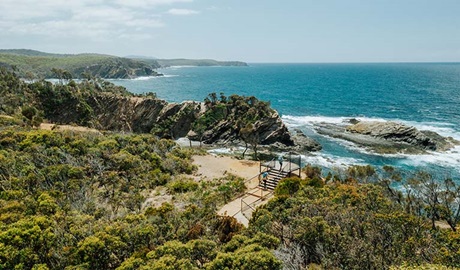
274	176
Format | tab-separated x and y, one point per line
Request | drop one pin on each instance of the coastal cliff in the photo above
102	105
212	122
33	65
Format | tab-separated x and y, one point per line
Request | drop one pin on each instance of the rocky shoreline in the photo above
145	114
387	137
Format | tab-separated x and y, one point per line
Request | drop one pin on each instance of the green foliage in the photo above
56	102
249	257
231	187
65	67
182	185
72	200
235	114
352	226
58	189
312	171
288	186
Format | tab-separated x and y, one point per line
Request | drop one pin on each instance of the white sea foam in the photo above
145	78
331	161
449	159
178	67
227	151
442	128
297	121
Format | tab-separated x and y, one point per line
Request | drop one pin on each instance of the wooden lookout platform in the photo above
261	187
270	173
275	171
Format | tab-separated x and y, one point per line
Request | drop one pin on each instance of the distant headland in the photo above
32	64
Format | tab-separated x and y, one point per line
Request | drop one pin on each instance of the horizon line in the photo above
359	62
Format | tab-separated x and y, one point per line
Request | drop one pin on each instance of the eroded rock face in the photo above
269	130
175	120
136	114
144	115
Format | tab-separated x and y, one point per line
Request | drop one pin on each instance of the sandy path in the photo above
212	166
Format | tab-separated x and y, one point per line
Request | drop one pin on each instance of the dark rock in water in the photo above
303	142
388	137
442	143
353	121
395	132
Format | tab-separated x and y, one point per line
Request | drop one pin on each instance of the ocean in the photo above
424	95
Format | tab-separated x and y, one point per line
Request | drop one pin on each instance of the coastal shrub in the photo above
288	186
312	171
231	186
182	185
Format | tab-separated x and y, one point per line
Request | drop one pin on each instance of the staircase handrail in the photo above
254	203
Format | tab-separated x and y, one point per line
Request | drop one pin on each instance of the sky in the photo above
250	30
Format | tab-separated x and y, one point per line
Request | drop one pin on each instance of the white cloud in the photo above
95	19
179	11
149	3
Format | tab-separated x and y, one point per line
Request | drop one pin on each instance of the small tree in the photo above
250	137
427	189
450	200
199	126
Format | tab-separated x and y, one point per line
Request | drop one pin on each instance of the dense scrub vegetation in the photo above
81	201
42	99
76	200
358	221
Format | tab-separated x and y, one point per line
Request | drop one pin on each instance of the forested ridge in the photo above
110	200
33	65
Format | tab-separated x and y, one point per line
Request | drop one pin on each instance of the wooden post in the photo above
290	169
300	166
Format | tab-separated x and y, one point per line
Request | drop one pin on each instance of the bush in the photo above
182	185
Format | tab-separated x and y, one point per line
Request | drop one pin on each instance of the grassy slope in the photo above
41	63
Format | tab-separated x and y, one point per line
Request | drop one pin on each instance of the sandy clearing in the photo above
47	126
212	166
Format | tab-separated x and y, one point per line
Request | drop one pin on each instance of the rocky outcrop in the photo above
303	142
219	122
394	132
144	115
388	137
268	130
116	68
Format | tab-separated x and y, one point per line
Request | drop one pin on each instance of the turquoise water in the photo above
423	95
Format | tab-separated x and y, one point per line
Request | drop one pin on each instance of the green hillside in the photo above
34	64
72	199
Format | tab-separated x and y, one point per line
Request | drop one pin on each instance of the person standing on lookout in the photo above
280	160
264	178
